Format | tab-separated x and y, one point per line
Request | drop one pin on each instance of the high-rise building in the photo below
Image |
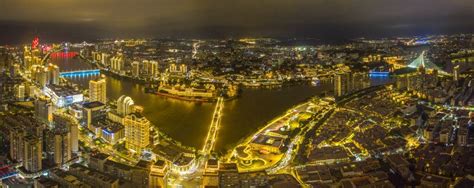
53	72
98	90
16	137
456	73
31	90
145	67
359	81
20	92
117	63
153	69
14	70
341	84
58	144
96	56
173	68
93	111
183	68
68	124
44	109
135	69
41	76
137	132
462	136
33	150
104	59
61	146
346	83
28	61
19	127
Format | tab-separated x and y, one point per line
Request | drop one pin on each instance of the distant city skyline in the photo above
88	20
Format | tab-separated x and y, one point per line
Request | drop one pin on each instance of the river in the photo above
188	122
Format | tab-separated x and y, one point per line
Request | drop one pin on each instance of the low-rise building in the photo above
271	144
157	174
93	177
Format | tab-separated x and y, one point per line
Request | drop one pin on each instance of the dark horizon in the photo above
336	20
19	33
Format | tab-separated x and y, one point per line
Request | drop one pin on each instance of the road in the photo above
294	146
107	149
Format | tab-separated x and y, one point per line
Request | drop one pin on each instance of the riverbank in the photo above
155	132
183	98
188	122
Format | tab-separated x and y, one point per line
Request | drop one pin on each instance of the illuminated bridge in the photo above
81	73
215	123
374	73
209	143
421	61
59	54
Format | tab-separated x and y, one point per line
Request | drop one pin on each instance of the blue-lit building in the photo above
63	96
110	131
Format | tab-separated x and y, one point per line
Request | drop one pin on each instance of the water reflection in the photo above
188	122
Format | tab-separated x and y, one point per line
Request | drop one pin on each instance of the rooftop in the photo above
92	173
63	90
100	156
117	165
47	182
228	166
93	104
143	164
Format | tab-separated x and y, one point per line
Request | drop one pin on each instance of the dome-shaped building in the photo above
125	105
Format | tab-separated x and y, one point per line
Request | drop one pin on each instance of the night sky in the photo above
77	20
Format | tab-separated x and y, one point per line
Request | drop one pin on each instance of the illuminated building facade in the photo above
33	153
53	74
157	174
117	63
153	69
135	69
112	132
341	84
43	109
92	112
95	56
347	82
20	130
98	90
125	105
456	73
174	68
104	59
183	68
59	146
67	123
62	96
150	68
137	132
16	143
20	92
